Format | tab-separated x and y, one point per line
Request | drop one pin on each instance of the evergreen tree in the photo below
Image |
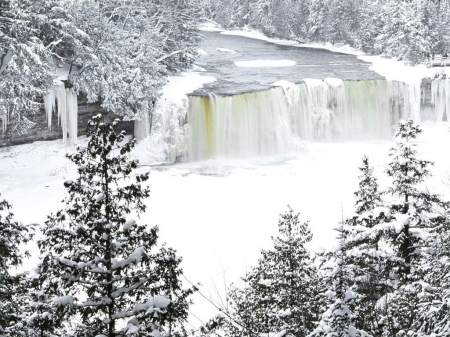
414	208
281	293
105	265
24	61
364	251
343	300
367	197
12	235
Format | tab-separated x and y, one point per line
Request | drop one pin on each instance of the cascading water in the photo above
440	99
246	125
269	122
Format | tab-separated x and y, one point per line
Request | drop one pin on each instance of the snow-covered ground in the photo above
218	215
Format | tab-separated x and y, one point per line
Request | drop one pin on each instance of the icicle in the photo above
49	106
61	98
4	115
72	115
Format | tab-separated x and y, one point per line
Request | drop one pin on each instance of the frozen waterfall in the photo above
272	121
64	100
440	99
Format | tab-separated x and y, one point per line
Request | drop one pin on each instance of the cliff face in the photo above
40	130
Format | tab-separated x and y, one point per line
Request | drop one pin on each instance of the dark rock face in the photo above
40	130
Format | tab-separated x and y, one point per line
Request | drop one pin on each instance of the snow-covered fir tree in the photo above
343	300
24	68
12	235
414	209
365	251
106	267
281	294
367	196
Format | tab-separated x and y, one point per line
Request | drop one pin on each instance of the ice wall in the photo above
269	122
64	101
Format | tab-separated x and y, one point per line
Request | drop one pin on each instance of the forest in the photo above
410	30
118	53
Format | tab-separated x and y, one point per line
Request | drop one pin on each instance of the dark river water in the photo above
309	63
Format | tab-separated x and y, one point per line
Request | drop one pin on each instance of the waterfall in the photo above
269	122
65	99
440	99
239	126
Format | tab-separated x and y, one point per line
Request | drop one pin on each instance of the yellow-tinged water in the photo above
278	120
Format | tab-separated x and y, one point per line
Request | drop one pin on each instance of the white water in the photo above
273	121
65	99
440	99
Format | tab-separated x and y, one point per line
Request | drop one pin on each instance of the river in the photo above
219	62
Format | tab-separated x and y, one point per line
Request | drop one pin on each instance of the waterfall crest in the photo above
269	122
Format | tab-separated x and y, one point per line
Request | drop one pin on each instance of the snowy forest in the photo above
102	272
115	52
410	30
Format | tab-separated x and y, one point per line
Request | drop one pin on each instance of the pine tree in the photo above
12	235
415	215
414	208
107	266
281	293
371	274
343	300
368	196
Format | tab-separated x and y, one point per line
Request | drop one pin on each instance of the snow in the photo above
265	63
64	300
226	50
128	225
178	87
220	214
134	257
161	302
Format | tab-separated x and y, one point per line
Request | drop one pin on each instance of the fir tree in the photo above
343	300
413	207
368	196
107	266
281	293
371	274
12	235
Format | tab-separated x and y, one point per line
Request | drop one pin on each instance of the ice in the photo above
440	98
265	63
66	100
226	50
